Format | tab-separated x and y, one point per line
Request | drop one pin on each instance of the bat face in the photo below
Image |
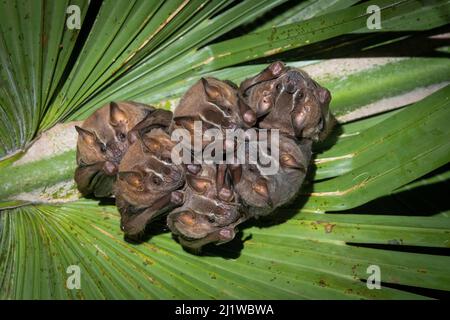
147	181
290	101
216	104
146	171
103	136
261	193
102	141
218	236
259	91
204	217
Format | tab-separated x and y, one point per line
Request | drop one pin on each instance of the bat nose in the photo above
174	175
293	81
116	152
171	172
290	88
291	84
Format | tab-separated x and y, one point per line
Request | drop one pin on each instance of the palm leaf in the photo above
152	51
259	45
296	259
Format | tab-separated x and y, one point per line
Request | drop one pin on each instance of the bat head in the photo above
289	100
103	136
216	104
204	217
255	189
262	193
147	182
146	173
195	230
259	91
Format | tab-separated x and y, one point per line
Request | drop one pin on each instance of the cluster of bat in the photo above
124	150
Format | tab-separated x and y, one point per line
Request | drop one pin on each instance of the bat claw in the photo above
177	197
110	168
226	194
193	168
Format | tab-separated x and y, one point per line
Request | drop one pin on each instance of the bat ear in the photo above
324	96
288	161
186	218
116	115
276	68
213	92
200	185
262	189
329	123
298	122
264	106
273	71
151	145
87	136
132	178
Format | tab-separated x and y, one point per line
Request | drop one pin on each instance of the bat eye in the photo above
122	136
166	158
156	180
103	147
320	124
227	110
279	87
211	218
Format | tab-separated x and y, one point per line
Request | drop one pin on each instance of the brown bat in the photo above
104	137
216	104
288	99
261	194
147	182
209	214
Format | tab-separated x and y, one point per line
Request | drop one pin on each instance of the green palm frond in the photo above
301	258
360	206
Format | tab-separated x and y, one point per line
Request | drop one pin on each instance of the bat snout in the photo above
293	81
172	174
115	152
